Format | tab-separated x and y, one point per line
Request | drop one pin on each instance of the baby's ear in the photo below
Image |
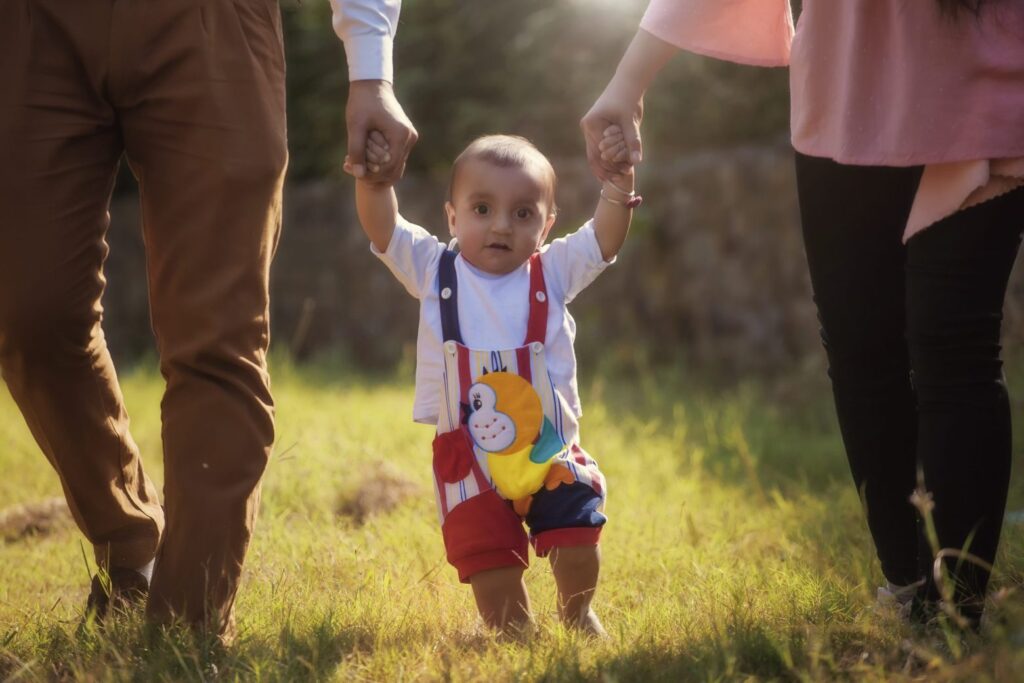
547	228
449	210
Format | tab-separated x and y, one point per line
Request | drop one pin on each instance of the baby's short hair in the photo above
509	151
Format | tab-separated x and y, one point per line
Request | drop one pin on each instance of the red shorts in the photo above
482	530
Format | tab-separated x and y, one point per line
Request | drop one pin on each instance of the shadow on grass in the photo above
127	650
869	645
742	646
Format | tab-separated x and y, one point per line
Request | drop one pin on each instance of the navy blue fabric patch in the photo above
569	505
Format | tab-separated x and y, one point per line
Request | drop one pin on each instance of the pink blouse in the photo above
883	82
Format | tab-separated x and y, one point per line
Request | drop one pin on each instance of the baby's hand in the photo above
377	153
613	146
613	149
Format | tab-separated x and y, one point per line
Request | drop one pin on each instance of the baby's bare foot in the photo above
590	625
518	631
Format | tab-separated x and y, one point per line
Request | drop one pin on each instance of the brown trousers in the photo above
191	93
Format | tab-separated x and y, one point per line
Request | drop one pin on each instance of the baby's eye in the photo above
523	213
481	209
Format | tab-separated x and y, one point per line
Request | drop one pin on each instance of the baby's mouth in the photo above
502	247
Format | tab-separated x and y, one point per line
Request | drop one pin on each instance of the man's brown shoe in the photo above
120	590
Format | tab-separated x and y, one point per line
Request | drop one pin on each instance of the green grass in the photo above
736	550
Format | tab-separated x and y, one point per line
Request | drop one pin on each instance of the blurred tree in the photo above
532	67
317	85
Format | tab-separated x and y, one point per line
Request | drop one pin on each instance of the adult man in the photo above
191	93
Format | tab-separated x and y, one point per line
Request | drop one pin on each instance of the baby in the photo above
496	371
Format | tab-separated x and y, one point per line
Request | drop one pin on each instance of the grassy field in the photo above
736	550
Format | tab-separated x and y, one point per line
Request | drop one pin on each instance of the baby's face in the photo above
500	215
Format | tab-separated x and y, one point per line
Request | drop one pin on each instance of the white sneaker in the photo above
898	599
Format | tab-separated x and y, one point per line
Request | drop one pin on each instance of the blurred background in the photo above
712	276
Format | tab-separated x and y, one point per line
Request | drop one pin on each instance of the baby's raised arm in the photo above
376	203
615	208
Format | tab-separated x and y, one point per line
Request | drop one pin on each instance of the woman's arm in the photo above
746	31
621	103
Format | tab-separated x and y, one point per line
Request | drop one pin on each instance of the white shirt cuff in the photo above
369	58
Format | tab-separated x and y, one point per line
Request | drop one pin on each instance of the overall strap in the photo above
537	325
447	291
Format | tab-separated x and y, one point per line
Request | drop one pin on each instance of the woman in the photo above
908	125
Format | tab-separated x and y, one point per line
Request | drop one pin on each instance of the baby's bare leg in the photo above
502	599
576	569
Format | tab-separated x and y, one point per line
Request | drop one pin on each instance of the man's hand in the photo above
372	107
619	111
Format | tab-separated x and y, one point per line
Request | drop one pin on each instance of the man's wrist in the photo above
372	85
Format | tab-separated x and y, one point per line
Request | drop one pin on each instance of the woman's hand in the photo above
621	111
622	105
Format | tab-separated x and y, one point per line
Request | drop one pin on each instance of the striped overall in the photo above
501	455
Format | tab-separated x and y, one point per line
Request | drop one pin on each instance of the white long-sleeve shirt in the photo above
367	28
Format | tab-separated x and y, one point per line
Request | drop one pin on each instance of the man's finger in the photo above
357	150
408	141
399	139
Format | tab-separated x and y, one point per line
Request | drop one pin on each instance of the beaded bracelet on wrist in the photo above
632	201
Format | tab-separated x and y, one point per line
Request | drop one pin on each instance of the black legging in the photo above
912	337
